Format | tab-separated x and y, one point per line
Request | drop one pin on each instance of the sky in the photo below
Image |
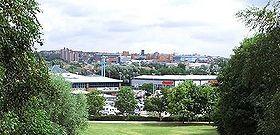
207	27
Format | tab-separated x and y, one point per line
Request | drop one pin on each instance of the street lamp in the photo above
153	83
120	74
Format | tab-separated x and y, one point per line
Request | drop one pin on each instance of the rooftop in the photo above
57	70
177	77
74	78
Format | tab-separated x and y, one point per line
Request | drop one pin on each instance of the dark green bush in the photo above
142	118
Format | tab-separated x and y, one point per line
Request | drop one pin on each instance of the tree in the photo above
126	101
270	124
250	82
95	102
148	87
184	100
217	64
125	73
236	112
263	20
203	70
69	111
182	66
209	101
57	62
31	102
156	104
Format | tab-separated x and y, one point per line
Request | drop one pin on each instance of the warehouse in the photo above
103	84
170	80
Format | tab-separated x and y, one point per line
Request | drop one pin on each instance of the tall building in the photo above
69	55
142	52
125	53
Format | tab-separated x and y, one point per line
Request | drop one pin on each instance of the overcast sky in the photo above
183	26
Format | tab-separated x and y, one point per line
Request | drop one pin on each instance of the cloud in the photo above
192	26
120	26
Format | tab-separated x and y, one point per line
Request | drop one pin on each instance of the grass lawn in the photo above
149	129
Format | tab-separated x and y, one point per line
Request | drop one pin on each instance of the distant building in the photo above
134	56
57	70
111	57
103	84
170	80
124	59
142	52
156	55
125	53
85	84
191	58
68	55
166	58
194	65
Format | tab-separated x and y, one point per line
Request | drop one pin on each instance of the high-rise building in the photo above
142	52
125	53
69	55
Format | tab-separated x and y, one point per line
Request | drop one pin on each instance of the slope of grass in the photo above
149	129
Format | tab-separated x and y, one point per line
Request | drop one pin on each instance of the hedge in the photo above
142	118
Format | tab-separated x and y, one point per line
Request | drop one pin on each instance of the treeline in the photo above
187	102
126	72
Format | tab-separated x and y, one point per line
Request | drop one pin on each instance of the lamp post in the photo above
153	83
120	74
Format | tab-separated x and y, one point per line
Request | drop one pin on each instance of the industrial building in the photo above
103	84
107	86
170	80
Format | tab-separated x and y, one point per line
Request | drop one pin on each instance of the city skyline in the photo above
139	52
167	26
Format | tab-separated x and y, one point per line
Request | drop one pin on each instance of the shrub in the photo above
142	118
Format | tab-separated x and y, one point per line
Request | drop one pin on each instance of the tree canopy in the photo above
157	104
126	101
95	102
185	100
32	101
250	82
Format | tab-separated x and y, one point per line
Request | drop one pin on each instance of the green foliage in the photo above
51	57
236	112
217	65
9	123
203	70
57	62
182	66
185	99
208	101
37	121
19	26
156	104
262	19
144	118
250	82
66	109
148	87
126	101
31	102
125	73
270	124
95	102
121	118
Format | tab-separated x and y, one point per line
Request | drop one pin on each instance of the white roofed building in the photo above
170	80
103	84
